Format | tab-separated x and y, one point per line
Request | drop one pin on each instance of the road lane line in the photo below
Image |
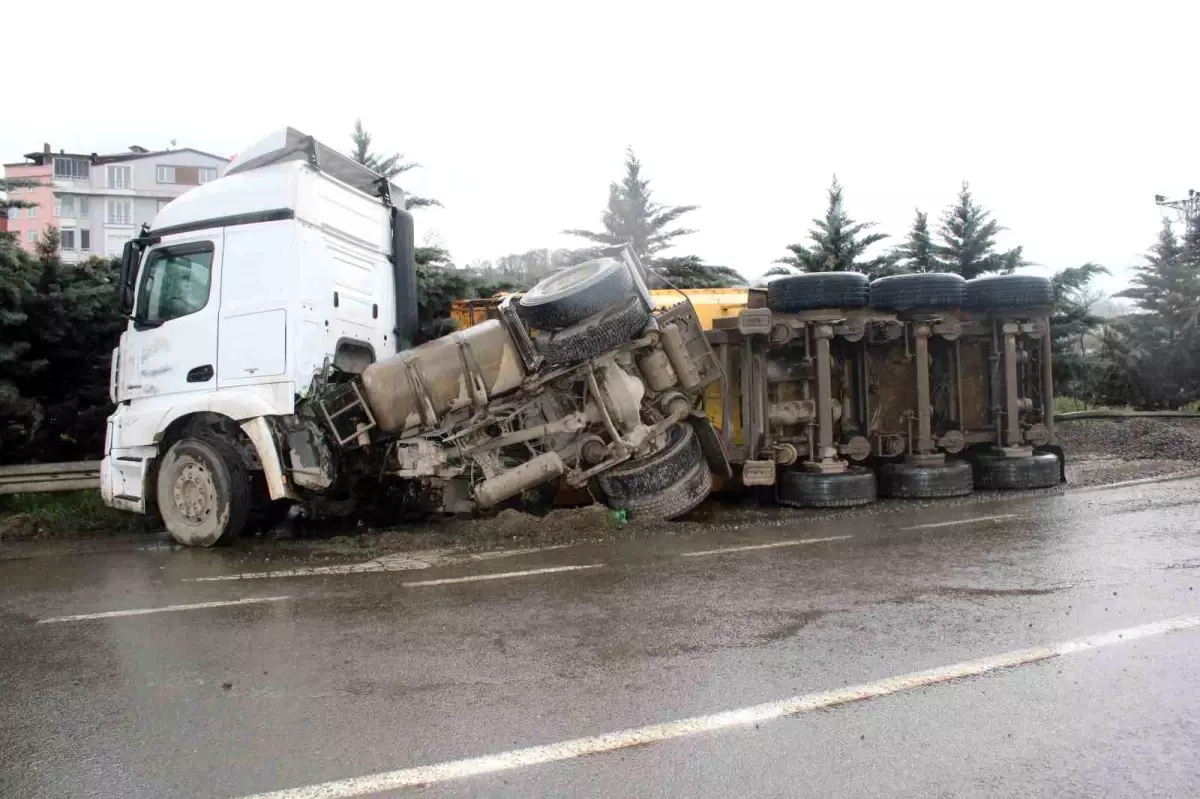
401	561
961	521
731	719
502	575
112	614
752	547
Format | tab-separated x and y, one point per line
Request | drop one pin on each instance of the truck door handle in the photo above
201	374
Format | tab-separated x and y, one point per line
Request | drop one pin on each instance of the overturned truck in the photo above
268	362
839	389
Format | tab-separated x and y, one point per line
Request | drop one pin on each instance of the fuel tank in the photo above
419	386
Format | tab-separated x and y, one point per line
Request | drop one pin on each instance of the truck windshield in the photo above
175	283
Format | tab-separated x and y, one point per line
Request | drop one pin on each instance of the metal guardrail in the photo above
41	477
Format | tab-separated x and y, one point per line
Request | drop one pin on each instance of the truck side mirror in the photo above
129	265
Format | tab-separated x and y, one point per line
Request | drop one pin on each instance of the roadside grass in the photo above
61	514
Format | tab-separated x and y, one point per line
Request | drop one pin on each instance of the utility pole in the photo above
1187	208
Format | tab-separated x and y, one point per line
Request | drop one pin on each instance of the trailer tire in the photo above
573	294
682	496
203	491
1024	472
954	478
1010	292
656	473
804	489
599	333
933	291
818	290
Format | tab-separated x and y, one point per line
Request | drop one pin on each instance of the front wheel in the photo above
203	492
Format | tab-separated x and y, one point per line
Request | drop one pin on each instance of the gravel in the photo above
1132	439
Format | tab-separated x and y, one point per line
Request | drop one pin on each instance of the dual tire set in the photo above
921	293
593	308
914	294
583	311
957	477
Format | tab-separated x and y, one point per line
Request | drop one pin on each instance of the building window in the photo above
71	169
31	212
70	205
120	212
66	239
175	282
207	173
166	174
85	240
14	213
31	236
120	177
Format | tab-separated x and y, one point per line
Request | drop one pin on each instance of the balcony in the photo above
120	219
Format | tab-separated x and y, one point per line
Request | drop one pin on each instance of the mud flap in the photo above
711	444
1057	452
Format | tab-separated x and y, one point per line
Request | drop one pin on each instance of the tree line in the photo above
60	321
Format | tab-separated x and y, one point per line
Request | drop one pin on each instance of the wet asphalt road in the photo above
354	674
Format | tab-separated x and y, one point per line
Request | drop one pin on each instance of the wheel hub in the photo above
195	493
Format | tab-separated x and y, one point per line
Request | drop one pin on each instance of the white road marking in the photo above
112	614
1162	478
752	547
656	733
962	521
502	575
403	561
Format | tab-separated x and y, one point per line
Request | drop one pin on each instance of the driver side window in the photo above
175	282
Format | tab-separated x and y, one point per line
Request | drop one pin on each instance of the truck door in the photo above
173	338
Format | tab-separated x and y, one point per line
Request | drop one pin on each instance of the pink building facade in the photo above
27	223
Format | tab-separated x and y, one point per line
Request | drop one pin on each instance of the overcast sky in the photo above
1067	118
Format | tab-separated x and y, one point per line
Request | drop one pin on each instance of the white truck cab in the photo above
239	292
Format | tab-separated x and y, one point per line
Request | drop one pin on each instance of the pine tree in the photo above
690	272
968	240
1072	323
917	253
387	165
839	244
633	217
74	324
8	199
1155	354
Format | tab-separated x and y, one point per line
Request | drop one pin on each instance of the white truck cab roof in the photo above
265	179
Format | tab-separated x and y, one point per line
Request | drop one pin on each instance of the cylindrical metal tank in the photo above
420	385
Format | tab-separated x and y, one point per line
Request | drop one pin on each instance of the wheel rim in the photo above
195	493
570	277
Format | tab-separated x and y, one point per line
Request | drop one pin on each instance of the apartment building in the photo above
98	202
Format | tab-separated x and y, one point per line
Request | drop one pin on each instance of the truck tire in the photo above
645	476
684	495
1010	292
803	489
203	491
901	479
1024	472
818	290
600	333
933	291
573	294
